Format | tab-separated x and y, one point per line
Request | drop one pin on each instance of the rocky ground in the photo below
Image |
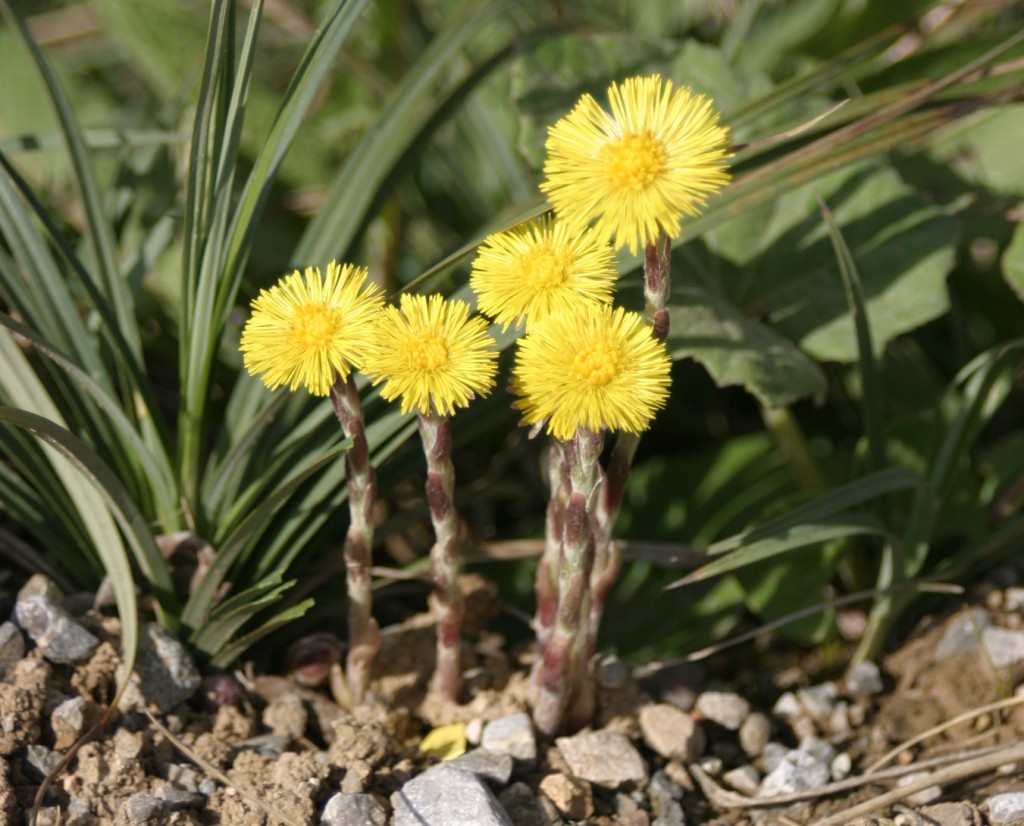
673	743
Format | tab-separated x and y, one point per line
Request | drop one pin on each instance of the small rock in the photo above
664	794
602	757
754	734
164	672
78	807
572	797
142	808
511	735
1013	599
839	721
474	731
962	634
841	766
824	751
183	775
268	745
743	779
286	716
772	755
58	635
726	708
353	810
523	808
819	700
447	795
357	777
1003	647
925	795
494	768
70	720
12	649
671	733
41	760
1005	808
612	673
788	707
863	680
712	764
950	814
799	771
177	799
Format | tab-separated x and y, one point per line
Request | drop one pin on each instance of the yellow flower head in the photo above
311	331
432	355
594	367
538	268
656	157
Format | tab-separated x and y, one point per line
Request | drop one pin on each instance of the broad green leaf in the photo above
1013	262
986	153
737	350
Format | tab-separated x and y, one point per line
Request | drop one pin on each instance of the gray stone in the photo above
142	808
183	775
602	757
612	673
58	635
726	708
799	771
1003	647
672	733
78	806
523	807
69	721
207	786
12	649
743	779
863	680
164	672
448	796
512	735
41	760
496	769
178	799
353	810
712	764
1005	808
819	700
962	634
821	749
754	734
664	794
772	755
950	814
268	745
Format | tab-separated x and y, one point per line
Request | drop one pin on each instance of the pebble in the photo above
664	794
602	757
743	779
962	634
141	807
671	733
69	721
524	808
824	751
446	795
164	672
41	760
819	700
949	814
712	764
863	680
494	768
183	775
1003	647
571	796
788	707
1013	599
754	734
12	649
726	708
841	766
925	795
353	810
177	799
799	771
474	731
772	755
1005	808
512	735
612	673
58	635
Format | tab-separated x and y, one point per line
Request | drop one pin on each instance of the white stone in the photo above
602	757
511	735
799	771
726	708
1005	808
1003	647
448	796
671	733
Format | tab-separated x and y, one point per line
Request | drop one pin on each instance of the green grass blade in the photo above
232	652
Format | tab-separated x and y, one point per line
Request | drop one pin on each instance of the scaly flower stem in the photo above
564	691
607	556
435	433
546	584
363	631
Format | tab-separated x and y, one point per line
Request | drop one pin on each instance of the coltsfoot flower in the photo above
528	272
637	171
594	367
311	330
432	355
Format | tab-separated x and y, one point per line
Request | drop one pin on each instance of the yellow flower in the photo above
311	331
537	268
594	367
638	170
432	355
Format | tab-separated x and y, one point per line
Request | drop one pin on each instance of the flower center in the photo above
429	353
595	365
542	267
314	325
634	162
